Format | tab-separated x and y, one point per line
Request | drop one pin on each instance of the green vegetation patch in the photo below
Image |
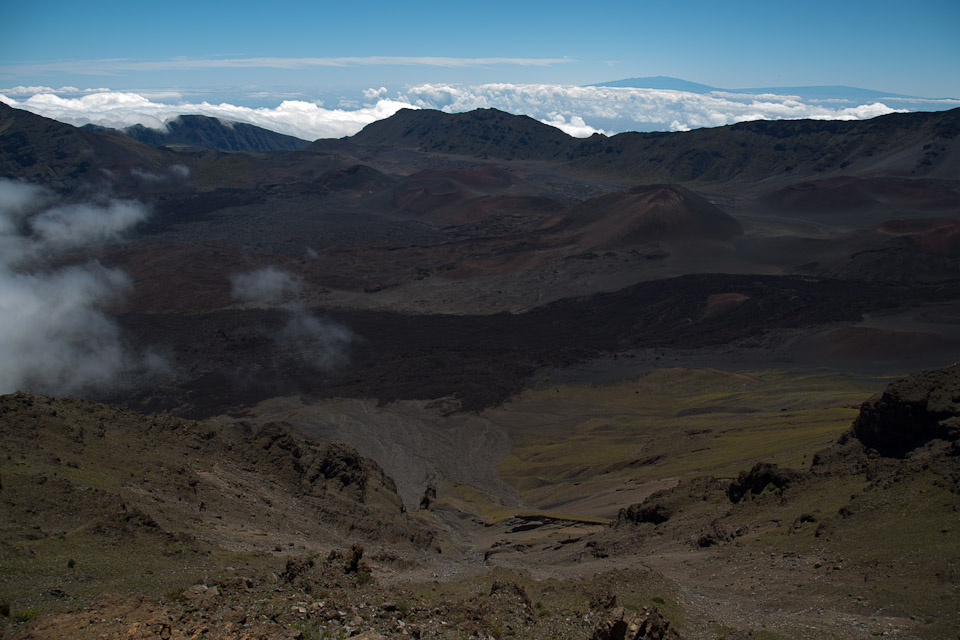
574	440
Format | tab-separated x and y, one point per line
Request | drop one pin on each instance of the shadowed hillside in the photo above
914	144
60	155
479	133
210	133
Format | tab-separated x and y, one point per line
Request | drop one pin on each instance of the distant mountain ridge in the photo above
210	133
480	133
908	145
810	93
59	155
658	82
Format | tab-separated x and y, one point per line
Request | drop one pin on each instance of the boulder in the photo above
910	413
646	624
654	512
761	476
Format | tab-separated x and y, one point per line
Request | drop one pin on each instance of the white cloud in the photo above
264	285
574	126
21	90
946	103
768	97
628	107
56	336
117	109
319	343
85	225
35	229
861	112
18	200
370	94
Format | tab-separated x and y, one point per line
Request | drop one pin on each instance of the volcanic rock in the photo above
200	596
646	624
429	497
654	512
762	475
911	412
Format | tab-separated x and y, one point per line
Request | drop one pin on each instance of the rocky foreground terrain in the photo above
231	530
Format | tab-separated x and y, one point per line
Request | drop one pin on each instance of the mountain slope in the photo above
220	483
479	133
809	93
907	145
212	133
659	82
887	490
60	155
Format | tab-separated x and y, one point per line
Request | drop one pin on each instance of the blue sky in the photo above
522	57
911	48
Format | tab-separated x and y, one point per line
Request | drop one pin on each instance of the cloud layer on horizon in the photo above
117	109
579	111
669	109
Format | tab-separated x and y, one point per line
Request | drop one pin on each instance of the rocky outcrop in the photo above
910	413
646	624
667	504
429	497
761	476
650	511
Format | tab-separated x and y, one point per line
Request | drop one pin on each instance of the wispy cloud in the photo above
21	90
319	343
57	337
268	285
110	66
940	102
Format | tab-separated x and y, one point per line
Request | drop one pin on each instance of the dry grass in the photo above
672	423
